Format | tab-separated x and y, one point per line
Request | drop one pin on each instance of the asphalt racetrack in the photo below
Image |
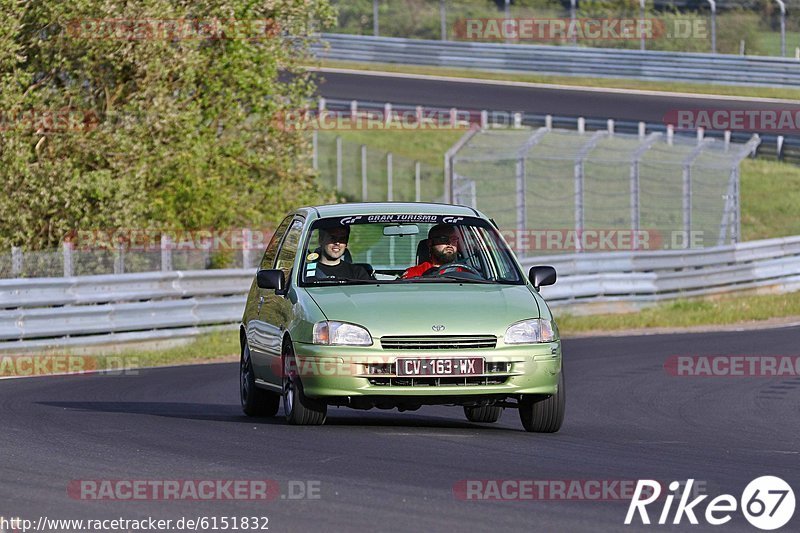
562	101
627	418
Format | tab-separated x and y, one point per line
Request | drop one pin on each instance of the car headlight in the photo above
532	331
341	333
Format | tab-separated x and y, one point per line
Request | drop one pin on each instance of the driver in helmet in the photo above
443	247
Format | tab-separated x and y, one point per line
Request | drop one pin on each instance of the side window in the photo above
272	248
288	250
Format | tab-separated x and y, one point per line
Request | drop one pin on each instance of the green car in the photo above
398	305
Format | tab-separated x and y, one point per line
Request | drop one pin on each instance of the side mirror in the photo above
271	279
542	275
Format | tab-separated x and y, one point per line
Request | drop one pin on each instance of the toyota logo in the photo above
438	327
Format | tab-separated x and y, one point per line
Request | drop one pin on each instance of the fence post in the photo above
417	182
363	172
247	244
389	178
713	5
119	260
641	23
572	6
522	215
443	19
16	261
375	24
315	149
67	253
782	6
338	164
166	253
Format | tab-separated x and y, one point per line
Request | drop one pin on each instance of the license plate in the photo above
440	366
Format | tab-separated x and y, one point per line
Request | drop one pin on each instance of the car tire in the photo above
544	415
485	413
299	409
255	401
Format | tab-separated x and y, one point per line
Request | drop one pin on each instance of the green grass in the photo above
770	42
687	313
612	83
206	347
770	199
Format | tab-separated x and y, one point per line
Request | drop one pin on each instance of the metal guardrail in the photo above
566	60
627	280
91	310
97	310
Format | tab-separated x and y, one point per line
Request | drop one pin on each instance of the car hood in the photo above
413	309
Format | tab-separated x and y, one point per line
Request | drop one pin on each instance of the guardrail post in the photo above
670	134
166	253
353	109
67	254
363	172
610	126
389	178
548	122
484	119
727	139
419	115
780	147
417	182
16	261
517	120
642	130
453	117
321	105
338	164
387	113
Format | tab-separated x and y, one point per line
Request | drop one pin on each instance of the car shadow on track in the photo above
232	413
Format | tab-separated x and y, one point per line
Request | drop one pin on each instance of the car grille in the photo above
439	342
450	381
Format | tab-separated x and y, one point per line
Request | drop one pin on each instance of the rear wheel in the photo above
299	409
544	415
255	401
484	413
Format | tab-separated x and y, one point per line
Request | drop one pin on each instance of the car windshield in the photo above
406	248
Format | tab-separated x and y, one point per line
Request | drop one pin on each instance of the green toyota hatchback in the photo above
398	305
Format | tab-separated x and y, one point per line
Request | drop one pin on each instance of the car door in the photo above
257	332
275	312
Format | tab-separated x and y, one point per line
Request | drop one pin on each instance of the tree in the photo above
163	113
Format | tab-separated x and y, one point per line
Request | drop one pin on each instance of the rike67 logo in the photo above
767	503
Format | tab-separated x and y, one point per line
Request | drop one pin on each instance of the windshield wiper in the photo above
342	281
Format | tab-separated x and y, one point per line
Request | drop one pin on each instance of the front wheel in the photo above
255	401
544	415
299	409
484	413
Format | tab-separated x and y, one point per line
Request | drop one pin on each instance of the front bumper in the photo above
343	371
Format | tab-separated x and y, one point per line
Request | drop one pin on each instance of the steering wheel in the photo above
450	268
